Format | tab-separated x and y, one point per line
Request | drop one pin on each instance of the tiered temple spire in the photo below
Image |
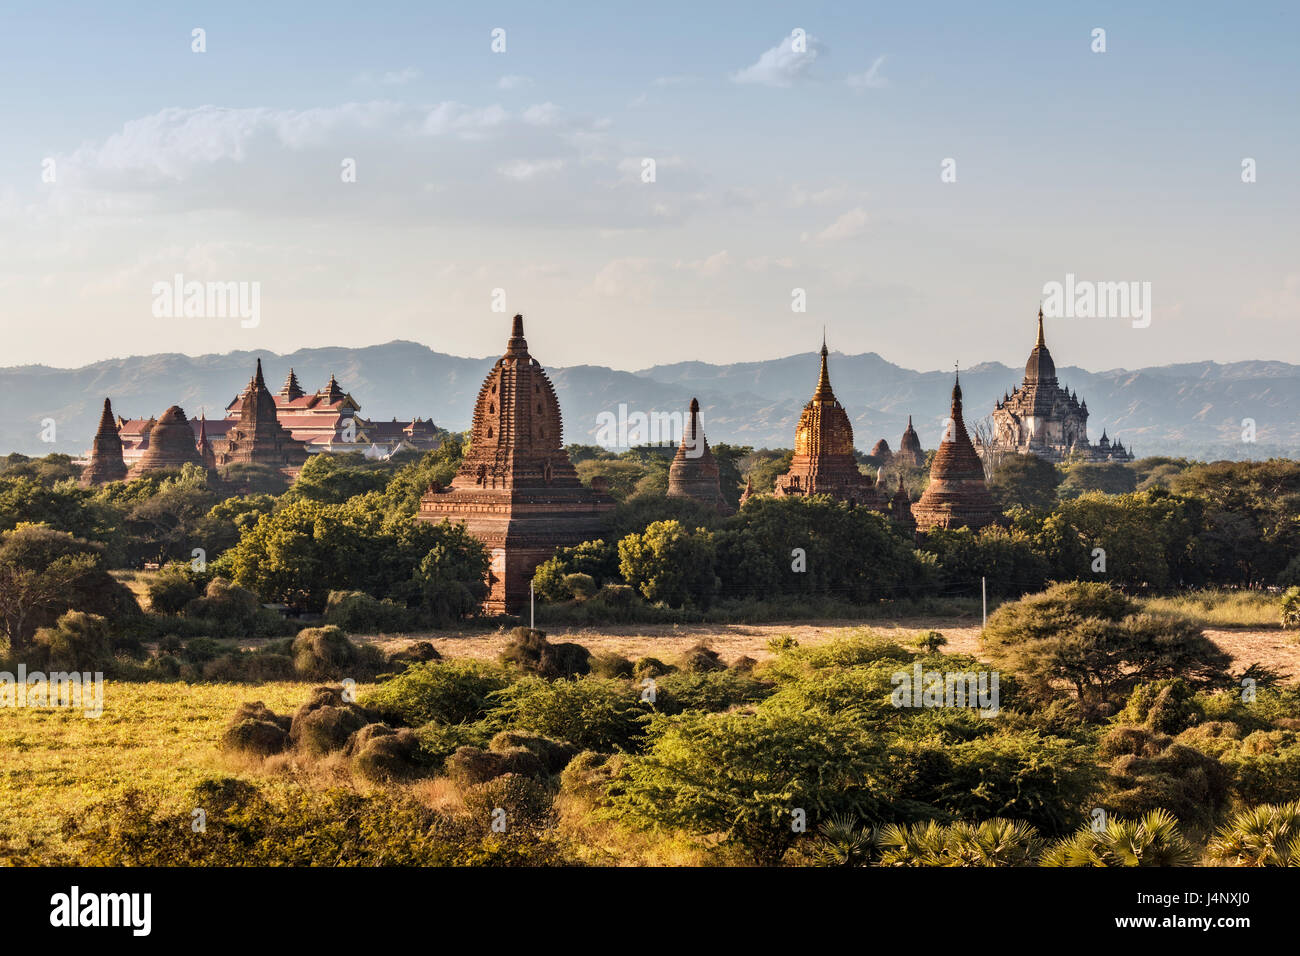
957	495
694	472
106	462
258	438
516	489
824	462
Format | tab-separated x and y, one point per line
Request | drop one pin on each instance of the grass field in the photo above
163	736
153	736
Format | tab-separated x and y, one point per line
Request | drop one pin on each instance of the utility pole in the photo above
532	616
984	594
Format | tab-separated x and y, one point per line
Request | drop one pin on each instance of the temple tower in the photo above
516	490
824	463
171	445
106	462
694	471
909	448
258	438
957	496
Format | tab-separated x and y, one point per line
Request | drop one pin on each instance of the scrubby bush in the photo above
77	642
650	667
529	650
449	692
326	721
592	713
1267	835
381	754
358	613
513	802
257	730
610	664
1291	608
700	659
325	653
710	691
170	591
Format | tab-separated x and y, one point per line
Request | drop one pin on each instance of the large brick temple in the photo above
824	462
516	489
957	496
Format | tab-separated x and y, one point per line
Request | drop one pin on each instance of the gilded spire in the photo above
824	393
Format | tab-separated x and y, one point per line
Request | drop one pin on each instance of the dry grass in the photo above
152	736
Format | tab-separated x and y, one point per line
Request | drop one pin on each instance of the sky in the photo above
800	157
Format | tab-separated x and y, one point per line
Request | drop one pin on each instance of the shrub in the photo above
610	664
711	691
470	766
325	722
994	842
700	659
1166	707
449	692
529	650
588	775
439	741
554	754
170	591
510	803
1267	835
358	613
581	586
592	713
257	730
1291	608
741	774
323	653
77	642
650	667
381	754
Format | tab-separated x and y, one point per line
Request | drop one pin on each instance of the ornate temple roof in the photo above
258	438
824	462
291	389
1040	369
516	489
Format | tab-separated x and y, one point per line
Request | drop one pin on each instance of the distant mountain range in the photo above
1194	410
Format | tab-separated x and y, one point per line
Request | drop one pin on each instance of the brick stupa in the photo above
694	471
258	438
516	490
171	445
106	462
956	496
824	463
909	448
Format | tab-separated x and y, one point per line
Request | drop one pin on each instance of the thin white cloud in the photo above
872	79
668	81
849	225
783	65
513	81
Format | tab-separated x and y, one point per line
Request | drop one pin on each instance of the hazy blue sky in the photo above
775	170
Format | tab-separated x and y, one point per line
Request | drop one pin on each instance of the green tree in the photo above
670	564
1026	481
1095	640
44	573
753	776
